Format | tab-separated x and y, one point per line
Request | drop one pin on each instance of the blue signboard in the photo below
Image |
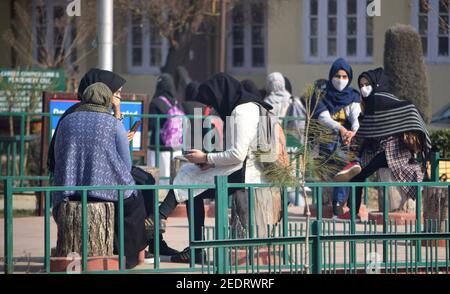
58	107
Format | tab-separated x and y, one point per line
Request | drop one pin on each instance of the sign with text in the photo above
21	90
59	106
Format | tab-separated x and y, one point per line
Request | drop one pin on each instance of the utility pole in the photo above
105	26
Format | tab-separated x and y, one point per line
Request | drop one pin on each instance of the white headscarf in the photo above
277	95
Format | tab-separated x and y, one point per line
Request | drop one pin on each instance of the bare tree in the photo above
68	46
180	20
176	20
71	40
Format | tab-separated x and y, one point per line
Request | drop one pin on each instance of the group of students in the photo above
91	147
388	132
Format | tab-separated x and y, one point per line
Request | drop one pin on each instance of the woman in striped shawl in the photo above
393	134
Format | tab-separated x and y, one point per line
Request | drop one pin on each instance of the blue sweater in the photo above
92	149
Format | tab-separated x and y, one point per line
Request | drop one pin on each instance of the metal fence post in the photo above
8	222
285	223
84	230
385	223
352	248
418	223
316	231
221	220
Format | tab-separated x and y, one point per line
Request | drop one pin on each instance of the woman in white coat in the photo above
240	112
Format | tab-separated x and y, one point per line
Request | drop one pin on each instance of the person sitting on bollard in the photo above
92	149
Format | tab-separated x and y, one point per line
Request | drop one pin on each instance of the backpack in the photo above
172	130
271	139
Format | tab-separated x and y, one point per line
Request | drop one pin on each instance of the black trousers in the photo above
170	202
379	161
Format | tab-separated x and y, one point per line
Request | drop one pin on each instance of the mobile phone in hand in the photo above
186	152
136	126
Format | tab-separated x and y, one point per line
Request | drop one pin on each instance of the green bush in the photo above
441	141
405	66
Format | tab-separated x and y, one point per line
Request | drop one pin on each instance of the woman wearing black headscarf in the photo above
99	155
94	75
192	107
162	101
227	96
393	133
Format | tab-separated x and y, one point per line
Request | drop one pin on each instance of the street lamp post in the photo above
105	25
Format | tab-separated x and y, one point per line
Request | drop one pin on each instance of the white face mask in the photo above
366	90
339	84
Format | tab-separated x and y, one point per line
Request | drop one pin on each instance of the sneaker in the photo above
338	208
185	257
348	172
150	226
149	258
348	216
164	249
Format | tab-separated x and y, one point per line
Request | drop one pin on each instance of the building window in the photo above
53	35
431	19
247	41
338	29
147	50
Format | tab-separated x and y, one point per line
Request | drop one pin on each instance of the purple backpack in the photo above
172	130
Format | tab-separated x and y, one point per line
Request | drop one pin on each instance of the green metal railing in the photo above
14	146
334	246
280	247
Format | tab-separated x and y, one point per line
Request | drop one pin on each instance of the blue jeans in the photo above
340	194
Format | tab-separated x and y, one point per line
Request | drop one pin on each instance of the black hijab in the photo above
224	93
386	115
94	75
380	84
377	79
251	88
165	86
191	91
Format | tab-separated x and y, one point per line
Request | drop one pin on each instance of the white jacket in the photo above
246	119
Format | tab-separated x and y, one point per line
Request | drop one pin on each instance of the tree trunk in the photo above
177	56
267	211
435	208
100	226
398	201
